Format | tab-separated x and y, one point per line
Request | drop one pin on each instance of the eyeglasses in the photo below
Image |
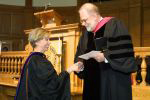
83	20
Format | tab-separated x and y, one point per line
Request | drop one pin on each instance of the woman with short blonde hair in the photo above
39	80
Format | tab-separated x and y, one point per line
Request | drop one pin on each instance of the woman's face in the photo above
43	44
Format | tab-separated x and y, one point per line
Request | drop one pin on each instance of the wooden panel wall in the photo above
5	23
146	21
12	27
134	13
135	22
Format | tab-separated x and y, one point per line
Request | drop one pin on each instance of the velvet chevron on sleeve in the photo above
119	51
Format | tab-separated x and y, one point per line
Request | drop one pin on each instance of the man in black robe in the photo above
107	73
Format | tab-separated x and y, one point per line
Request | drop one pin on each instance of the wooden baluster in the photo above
133	77
15	65
21	63
23	59
19	66
143	71
8	66
5	64
2	62
12	65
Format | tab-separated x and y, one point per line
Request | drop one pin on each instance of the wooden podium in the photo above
49	18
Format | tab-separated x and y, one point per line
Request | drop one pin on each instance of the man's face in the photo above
88	20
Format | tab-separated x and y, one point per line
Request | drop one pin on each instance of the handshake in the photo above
77	67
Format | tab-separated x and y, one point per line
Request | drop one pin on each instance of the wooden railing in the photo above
10	67
11	64
141	91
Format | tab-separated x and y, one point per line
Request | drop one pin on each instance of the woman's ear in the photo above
36	43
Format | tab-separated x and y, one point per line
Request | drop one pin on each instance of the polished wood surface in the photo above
141	91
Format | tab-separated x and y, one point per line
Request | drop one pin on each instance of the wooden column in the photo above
136	21
28	14
28	3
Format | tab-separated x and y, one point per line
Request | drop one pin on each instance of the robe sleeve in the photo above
82	45
119	53
47	80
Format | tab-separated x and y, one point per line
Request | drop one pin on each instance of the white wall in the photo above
40	3
13	2
55	3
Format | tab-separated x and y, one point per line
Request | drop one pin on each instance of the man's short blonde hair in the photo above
90	8
36	35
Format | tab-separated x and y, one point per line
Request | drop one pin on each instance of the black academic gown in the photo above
43	81
108	81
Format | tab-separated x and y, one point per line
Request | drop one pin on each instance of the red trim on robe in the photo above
101	23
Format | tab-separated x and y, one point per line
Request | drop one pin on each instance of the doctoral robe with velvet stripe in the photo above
108	81
43	81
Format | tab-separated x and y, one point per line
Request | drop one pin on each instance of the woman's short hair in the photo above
36	35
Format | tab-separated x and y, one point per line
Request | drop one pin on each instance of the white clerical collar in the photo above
100	19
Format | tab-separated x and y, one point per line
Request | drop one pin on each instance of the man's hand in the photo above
80	66
97	55
76	67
